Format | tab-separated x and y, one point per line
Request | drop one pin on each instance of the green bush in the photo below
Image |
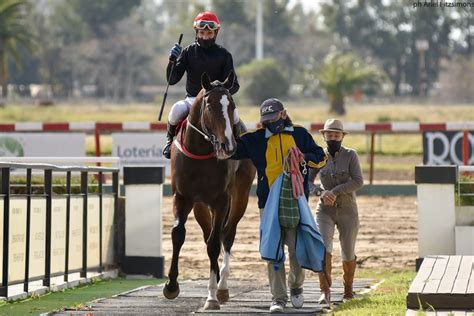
262	79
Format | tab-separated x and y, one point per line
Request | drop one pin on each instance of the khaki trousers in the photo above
347	222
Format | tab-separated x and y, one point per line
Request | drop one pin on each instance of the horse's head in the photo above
217	114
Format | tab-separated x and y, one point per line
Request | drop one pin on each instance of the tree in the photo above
342	74
104	14
278	34
435	27
262	79
13	33
237	30
230	12
309	45
388	30
464	25
456	79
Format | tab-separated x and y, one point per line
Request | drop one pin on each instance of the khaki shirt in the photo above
342	175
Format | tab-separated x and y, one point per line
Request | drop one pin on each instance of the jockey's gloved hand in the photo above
175	51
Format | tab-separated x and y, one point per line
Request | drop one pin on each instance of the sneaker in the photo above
297	298
277	307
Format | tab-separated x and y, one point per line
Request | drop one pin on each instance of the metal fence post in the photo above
115	188
115	191
68	220
6	230
84	181
48	190
100	221
28	227
116	194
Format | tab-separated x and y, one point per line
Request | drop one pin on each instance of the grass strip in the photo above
388	299
75	297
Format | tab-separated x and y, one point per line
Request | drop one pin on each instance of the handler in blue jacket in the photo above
267	148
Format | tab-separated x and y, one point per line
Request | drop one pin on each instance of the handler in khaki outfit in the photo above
340	178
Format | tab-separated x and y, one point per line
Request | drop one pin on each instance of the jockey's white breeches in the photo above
180	110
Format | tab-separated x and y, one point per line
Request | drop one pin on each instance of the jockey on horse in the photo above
203	56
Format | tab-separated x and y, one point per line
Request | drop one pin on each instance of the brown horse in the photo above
205	180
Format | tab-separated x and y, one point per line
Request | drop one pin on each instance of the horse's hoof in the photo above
223	295
171	292
212	305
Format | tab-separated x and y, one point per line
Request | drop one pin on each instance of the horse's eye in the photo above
209	107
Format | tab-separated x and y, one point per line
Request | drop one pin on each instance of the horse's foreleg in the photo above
219	211
240	195
237	211
181	210
222	287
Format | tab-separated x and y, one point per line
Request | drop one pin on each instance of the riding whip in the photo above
169	78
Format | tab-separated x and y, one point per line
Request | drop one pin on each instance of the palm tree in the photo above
342	74
13	32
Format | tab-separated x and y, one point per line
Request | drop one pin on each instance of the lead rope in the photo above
293	161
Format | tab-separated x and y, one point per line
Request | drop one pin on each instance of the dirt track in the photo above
387	238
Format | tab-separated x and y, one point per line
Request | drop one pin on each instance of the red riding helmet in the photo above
206	19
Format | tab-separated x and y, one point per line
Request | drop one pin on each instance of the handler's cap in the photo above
270	109
333	125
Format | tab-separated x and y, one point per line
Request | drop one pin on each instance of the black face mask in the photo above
333	146
206	43
277	126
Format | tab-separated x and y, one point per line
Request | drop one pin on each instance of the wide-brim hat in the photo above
333	125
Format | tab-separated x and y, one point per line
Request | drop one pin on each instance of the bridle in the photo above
210	137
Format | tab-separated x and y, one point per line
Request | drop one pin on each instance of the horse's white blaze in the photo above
212	287
228	126
225	271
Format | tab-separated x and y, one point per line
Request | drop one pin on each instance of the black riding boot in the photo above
169	140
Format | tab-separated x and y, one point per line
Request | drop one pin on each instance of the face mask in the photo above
206	43
277	126
333	146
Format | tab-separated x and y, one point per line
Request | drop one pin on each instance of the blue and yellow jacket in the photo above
267	151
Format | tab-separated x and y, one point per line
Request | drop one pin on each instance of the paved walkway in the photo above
246	298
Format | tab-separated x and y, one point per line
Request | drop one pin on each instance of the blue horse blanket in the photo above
310	250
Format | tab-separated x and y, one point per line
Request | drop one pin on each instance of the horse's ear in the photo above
206	81
229	82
